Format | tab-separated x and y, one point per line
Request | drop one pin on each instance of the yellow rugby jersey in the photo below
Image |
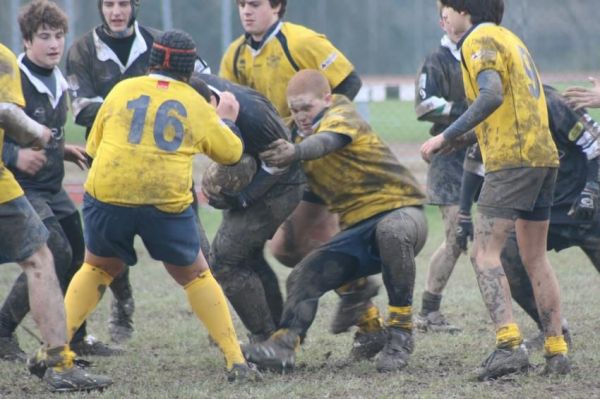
286	50
144	139
364	178
10	92
517	133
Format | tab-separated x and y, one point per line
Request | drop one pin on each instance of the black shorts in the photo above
444	178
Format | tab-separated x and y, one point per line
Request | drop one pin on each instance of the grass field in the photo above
169	356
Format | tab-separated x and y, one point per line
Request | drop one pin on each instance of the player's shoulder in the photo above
236	43
7	57
299	34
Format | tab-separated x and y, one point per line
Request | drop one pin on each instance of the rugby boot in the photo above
56	368
354	302
367	344
10	349
244	372
434	322
557	364
503	361
120	322
396	352
278	353
90	346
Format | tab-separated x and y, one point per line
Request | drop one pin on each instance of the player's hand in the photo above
279	153
431	146
586	205
42	141
464	231
584	97
30	161
228	107
77	155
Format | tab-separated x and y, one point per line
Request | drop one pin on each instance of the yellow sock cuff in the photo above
103	277
370	320
508	336
555	345
60	358
400	316
203	278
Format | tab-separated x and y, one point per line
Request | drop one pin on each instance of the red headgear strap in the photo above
168	51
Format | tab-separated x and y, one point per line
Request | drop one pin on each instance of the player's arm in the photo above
85	101
282	153
223	142
21	128
350	86
430	103
490	97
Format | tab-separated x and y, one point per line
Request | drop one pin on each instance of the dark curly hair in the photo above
41	13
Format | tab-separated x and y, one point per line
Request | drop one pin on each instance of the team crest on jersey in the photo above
329	60
273	61
39	114
162	84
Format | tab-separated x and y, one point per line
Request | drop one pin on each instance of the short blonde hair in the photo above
308	81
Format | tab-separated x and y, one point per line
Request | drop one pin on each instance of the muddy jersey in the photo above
144	140
516	134
363	178
48	109
575	147
10	92
258	120
285	49
440	94
93	69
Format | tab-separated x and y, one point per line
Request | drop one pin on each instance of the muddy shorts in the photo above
22	232
48	204
444	177
525	193
360	241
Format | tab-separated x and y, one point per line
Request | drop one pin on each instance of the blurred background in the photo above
385	39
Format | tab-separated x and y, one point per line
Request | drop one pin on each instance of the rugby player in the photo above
510	118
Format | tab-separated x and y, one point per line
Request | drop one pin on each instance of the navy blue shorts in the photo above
359	241
109	231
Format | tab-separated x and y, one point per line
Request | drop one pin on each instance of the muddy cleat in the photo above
504	361
434	322
244	372
10	349
396	352
558	365
353	303
367	344
90	346
74	379
278	353
120	323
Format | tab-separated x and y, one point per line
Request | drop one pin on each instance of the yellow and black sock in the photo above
400	317
210	305
508	336
83	295
60	358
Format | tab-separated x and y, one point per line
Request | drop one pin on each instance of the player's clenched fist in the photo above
228	107
279	153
